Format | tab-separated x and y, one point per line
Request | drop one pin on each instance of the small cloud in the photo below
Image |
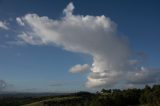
19	21
79	68
3	85
3	25
69	9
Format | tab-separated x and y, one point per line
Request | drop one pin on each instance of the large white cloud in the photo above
93	35
3	25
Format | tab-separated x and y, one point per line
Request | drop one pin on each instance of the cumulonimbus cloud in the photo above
93	35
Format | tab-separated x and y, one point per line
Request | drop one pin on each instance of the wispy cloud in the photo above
93	35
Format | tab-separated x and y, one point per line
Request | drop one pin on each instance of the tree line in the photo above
148	96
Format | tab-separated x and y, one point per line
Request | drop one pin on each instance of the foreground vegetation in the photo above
148	96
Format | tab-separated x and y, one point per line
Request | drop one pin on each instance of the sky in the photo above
78	45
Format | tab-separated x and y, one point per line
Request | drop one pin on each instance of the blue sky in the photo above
46	65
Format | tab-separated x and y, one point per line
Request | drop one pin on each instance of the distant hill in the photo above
8	94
